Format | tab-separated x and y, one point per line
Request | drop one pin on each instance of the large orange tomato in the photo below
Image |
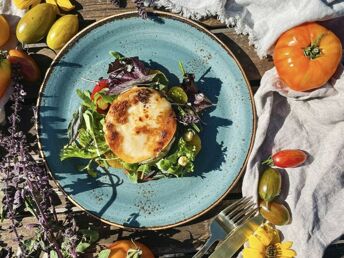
28	66
120	249
307	56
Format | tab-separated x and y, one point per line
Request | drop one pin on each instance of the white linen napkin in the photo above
263	20
12	15
313	121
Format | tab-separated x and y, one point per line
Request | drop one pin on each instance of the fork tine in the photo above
239	208
247	216
235	205
242	212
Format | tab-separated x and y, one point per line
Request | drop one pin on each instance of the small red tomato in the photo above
289	158
101	105
28	65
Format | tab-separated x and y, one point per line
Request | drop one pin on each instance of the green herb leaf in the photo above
53	254
133	176
116	55
86	98
160	77
181	68
170	165
104	253
91	235
75	124
108	99
82	246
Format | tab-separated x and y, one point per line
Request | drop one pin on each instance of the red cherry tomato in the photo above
289	158
101	105
99	86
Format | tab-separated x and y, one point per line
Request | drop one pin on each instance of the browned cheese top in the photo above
139	125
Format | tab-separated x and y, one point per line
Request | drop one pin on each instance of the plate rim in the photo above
130	14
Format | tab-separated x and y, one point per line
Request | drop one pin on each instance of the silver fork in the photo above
227	220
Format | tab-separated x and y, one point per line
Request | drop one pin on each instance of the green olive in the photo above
274	212
35	24
269	184
178	95
62	31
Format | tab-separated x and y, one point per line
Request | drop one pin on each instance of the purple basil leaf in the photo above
201	102
125	73
118	89
198	100
189	118
189	85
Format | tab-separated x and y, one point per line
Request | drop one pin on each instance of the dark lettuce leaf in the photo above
189	118
126	85
189	85
124	73
197	99
201	102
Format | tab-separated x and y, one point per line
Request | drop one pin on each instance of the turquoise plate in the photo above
161	41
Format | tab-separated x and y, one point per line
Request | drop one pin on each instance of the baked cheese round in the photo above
139	125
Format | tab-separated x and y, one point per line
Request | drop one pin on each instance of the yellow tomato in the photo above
4	31
5	75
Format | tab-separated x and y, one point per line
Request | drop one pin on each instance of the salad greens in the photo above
85	130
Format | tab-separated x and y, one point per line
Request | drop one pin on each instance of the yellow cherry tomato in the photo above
4	31
5	75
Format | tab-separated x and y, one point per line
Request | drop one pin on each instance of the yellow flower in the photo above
265	243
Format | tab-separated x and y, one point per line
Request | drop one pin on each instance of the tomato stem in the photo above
134	253
313	51
269	161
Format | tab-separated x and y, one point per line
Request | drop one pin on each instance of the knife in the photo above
234	241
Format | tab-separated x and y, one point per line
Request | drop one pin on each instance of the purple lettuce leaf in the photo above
201	102
125	73
197	99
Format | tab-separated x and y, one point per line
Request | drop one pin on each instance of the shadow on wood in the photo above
247	64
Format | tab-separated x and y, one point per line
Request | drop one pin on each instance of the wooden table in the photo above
182	241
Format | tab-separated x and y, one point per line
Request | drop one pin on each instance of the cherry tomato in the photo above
4	31
121	249
28	66
275	212
5	75
289	158
99	86
101	105
269	184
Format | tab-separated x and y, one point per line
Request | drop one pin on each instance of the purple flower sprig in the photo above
25	184
140	6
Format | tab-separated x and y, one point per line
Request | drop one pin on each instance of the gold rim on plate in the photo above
128	15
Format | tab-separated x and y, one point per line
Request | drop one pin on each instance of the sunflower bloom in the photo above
266	243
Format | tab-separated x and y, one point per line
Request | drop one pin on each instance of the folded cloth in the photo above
12	15
313	122
263	20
